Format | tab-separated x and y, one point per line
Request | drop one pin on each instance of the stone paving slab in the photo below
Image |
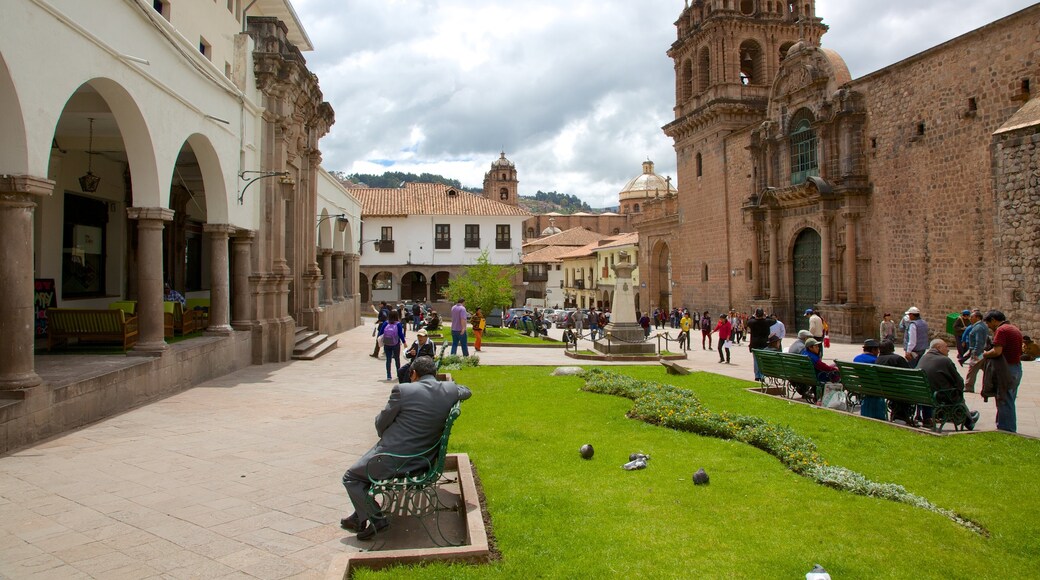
240	476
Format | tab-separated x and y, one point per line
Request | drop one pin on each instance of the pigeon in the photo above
586	451
700	478
635	464
635	456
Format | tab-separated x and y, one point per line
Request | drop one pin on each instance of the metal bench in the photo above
93	326
416	494
788	374
908	386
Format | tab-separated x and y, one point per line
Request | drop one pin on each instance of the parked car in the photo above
563	317
548	315
494	318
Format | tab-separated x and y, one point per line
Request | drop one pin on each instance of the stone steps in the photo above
310	344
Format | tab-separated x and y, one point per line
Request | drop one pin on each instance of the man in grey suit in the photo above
412	422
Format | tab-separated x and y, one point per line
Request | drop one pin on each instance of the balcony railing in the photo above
385	246
579	284
442	244
535	276
503	243
472	242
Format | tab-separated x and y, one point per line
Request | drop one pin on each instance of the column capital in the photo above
325	251
26	184
243	235
339	253
226	229
851	215
150	213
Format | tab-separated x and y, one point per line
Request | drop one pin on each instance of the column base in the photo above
222	330
20	381
148	349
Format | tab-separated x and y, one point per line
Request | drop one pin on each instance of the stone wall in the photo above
1016	177
930	121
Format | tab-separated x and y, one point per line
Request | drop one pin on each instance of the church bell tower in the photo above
500	183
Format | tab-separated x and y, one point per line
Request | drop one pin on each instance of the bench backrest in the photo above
769	363
193	303
798	368
127	306
437	469
909	385
72	320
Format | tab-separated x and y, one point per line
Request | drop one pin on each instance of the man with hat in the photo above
422	346
915	344
873	407
798	346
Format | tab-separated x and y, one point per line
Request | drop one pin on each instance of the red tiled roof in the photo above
430	199
545	255
577	236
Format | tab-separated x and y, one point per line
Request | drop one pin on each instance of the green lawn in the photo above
495	336
558	516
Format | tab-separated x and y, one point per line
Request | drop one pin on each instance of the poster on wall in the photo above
44	297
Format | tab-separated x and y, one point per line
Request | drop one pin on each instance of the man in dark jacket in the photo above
759	327
888	357
422	346
943	378
411	423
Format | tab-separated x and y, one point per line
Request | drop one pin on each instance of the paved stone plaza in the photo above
239	477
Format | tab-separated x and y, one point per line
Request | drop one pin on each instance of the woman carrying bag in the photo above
478	328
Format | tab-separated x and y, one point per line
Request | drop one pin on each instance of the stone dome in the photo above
502	161
647	185
551	230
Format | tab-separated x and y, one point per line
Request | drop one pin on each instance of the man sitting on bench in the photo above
945	381
412	422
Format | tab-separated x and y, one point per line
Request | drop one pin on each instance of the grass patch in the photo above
556	515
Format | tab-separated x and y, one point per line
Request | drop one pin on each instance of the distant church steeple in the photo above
500	183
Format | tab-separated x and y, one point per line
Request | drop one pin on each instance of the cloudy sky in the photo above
574	91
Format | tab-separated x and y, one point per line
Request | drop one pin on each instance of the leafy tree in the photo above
567	203
393	179
483	284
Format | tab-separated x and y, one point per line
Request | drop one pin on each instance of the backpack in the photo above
390	337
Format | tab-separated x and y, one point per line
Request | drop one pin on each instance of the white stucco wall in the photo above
414	240
334	199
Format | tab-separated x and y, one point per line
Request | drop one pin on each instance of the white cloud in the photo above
575	92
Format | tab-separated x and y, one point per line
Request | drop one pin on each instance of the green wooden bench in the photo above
788	373
94	326
906	386
178	321
416	494
128	306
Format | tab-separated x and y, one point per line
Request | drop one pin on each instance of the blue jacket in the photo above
978	334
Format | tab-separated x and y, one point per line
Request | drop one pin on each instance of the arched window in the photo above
803	149
700	165
750	272
636	208
783	50
747	7
703	70
704	272
503	193
530	232
751	72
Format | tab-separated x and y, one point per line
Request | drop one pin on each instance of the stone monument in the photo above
623	335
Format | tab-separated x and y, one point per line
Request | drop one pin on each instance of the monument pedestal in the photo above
624	338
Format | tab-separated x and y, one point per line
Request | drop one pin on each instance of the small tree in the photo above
483	285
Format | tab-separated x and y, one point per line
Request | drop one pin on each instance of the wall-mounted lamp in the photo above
259	175
341	221
89	182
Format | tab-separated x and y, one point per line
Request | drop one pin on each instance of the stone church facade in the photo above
802	187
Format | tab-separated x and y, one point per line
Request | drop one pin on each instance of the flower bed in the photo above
677	408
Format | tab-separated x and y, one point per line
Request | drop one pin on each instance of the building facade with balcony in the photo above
543	269
415	238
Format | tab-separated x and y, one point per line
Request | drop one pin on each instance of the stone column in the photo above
327	275
774	260
338	275
852	280
352	268
220	282
150	339
825	259
756	260
17	325
242	245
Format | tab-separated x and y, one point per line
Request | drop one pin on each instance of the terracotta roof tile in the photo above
577	236
545	255
430	199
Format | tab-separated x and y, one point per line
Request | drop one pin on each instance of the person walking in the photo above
459	318
816	326
705	329
684	332
916	337
724	327
977	338
887	330
479	324
393	337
